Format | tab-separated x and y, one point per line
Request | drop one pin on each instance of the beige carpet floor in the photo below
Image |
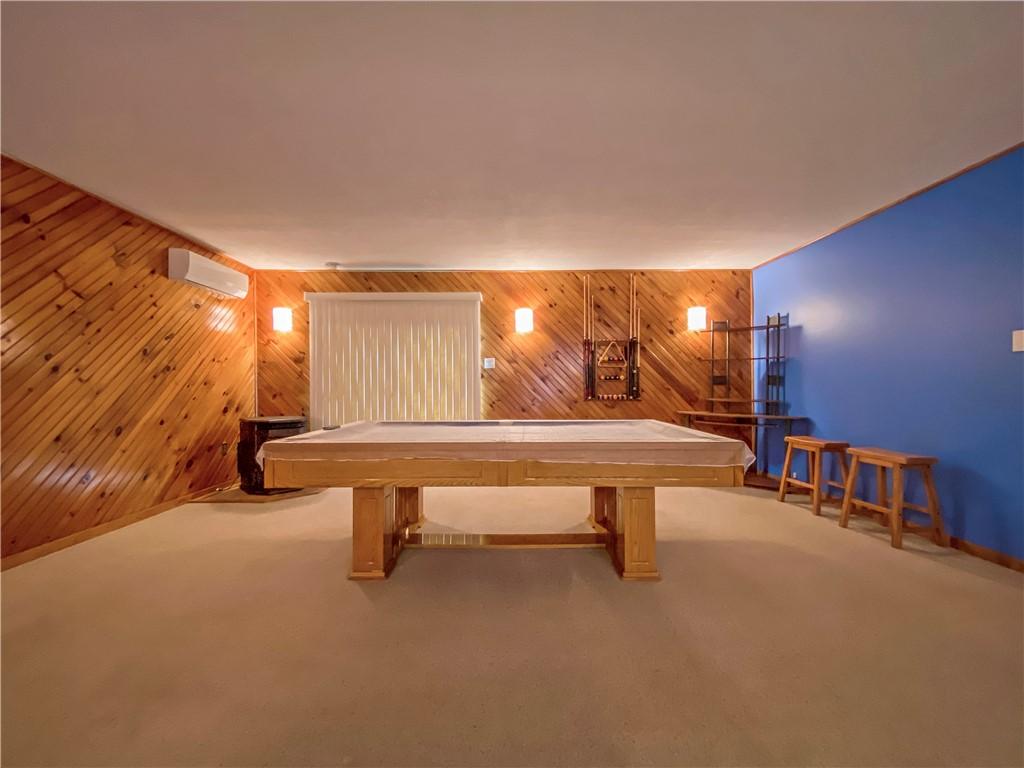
228	635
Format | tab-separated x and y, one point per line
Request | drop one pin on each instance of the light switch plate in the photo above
488	363
1018	341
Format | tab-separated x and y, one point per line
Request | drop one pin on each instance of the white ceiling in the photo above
521	136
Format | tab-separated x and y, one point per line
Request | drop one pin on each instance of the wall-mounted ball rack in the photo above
617	359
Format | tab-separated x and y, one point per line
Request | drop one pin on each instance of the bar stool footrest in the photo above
870	505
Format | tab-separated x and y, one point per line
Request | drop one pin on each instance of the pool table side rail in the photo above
374	473
719	452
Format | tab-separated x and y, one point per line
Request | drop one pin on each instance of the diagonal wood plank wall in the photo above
537	375
121	390
120	387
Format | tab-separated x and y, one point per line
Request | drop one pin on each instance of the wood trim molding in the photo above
894	203
986	553
968	548
474	296
28	555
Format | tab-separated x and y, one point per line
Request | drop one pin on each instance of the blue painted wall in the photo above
900	337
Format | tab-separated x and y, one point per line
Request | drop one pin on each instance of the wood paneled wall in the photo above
121	389
537	375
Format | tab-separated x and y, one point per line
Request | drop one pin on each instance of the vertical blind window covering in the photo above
393	357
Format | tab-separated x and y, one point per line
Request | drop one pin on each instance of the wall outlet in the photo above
1018	341
488	363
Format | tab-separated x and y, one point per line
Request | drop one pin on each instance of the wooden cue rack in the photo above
611	362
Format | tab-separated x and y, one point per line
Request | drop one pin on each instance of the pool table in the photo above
388	463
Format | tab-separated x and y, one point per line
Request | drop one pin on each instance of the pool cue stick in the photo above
586	344
593	322
632	301
636	307
590	307
638	341
636	368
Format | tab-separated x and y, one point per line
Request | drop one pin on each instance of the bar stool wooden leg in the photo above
785	471
844	472
938	530
880	486
851	482
815	479
896	513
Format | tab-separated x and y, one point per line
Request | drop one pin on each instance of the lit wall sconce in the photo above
282	319
697	319
524	320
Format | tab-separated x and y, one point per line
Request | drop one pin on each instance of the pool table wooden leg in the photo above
376	540
408	508
630	524
602	506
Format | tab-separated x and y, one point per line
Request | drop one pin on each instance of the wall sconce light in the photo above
697	319
282	319
524	320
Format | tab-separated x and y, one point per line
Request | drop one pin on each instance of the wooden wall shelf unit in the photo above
770	351
610	361
767	411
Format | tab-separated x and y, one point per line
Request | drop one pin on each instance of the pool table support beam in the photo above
373	533
385	520
627	513
387	503
408	507
381	520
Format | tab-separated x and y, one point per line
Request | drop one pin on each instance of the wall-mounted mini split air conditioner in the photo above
206	273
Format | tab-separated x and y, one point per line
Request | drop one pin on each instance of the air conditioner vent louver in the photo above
198	270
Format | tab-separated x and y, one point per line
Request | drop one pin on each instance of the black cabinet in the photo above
254	432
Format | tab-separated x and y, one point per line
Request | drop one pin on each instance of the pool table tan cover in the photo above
641	441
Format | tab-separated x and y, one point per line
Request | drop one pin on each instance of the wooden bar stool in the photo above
816	448
899	463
